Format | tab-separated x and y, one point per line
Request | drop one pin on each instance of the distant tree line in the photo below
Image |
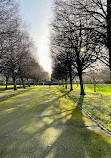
16	47
81	36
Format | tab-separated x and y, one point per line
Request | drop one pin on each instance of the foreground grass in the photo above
42	123
98	104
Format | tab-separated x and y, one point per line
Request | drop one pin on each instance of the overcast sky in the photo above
37	13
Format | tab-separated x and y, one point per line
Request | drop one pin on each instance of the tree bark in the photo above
66	83
94	87
28	82
14	82
109	31
81	85
70	73
62	83
6	82
22	81
76	82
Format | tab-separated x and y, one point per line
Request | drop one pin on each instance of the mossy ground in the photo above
43	123
97	104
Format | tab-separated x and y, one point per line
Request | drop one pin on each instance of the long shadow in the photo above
80	101
76	142
58	134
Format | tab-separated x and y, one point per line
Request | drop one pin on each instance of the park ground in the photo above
97	104
43	123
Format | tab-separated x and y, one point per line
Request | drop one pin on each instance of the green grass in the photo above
4	95
98	104
9	86
100	88
42	123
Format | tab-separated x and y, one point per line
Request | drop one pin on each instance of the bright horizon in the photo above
37	13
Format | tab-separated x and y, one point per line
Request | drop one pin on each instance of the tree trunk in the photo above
71	88
70	73
81	86
66	83
109	31
76	82
6	82
63	83
22	81
28	82
94	87
14	82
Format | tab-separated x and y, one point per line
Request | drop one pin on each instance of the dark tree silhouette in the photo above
72	34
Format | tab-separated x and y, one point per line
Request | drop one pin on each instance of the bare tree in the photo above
78	41
99	12
16	47
9	22
60	68
109	30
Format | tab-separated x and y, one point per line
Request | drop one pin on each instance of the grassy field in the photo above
97	104
6	94
9	86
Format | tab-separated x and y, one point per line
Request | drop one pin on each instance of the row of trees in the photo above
16	47
81	32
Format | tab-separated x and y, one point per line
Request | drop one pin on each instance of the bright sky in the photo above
38	14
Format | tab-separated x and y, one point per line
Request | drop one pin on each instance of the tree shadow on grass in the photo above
55	134
76	141
80	101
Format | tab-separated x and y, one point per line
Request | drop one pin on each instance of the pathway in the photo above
42	123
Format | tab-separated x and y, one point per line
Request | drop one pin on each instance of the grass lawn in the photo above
4	95
9	86
98	104
43	123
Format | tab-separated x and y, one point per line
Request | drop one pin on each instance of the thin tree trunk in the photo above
22	81
14	82
33	82
6	82
94	87
28	82
71	88
66	83
76	82
94	81
63	83
81	86
70	73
